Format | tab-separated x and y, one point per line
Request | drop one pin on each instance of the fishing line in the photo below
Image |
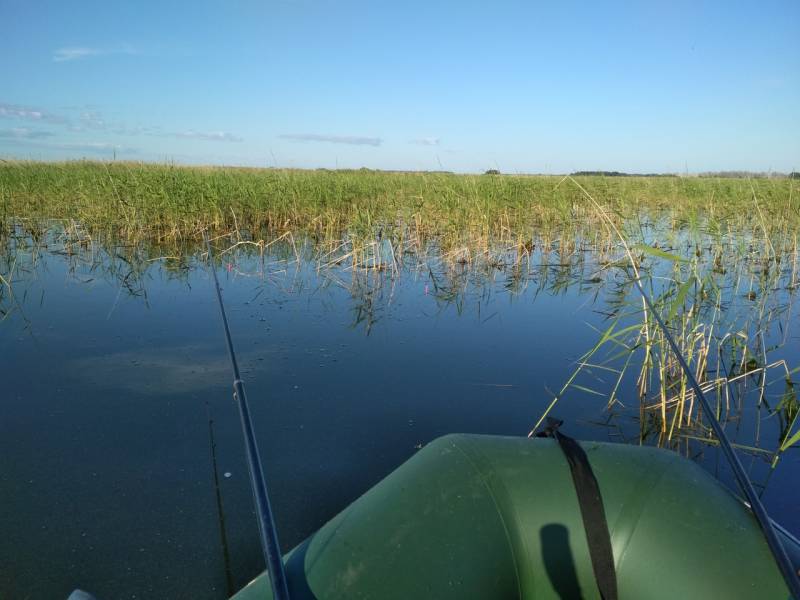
223	535
266	521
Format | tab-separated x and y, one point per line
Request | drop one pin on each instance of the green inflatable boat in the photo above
479	517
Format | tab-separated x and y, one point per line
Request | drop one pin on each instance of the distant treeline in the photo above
750	175
619	174
726	174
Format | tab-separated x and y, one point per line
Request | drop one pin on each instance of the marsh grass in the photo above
171	204
727	299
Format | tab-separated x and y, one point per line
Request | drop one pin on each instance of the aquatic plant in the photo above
172	204
726	297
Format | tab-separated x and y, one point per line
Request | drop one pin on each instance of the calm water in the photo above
114	378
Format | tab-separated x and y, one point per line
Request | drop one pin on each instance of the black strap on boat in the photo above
593	514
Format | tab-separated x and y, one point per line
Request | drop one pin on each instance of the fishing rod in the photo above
778	551
266	522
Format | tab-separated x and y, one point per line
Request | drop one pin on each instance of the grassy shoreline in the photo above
174	203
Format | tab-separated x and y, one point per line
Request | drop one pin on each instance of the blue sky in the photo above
464	86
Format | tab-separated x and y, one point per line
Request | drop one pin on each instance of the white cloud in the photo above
98	147
209	136
427	141
28	113
24	133
136	129
70	53
33	141
333	139
73	53
93	120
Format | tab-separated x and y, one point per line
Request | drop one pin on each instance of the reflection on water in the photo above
115	376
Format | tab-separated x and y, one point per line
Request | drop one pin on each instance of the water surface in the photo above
116	381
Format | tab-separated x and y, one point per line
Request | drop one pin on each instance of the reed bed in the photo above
727	299
172	204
